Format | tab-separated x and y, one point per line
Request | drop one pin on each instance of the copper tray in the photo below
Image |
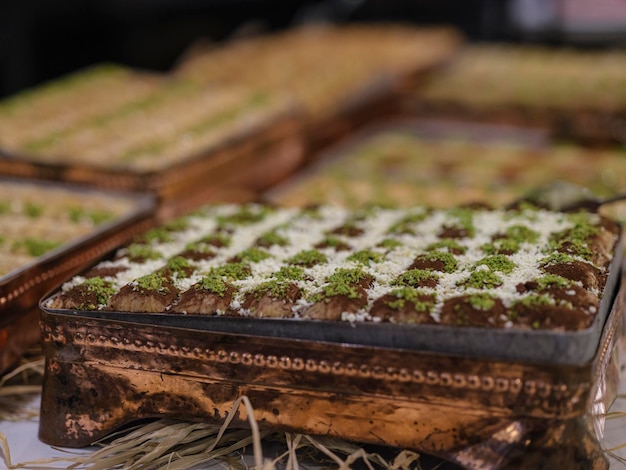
374	96
476	412
256	151
478	409
276	147
22	287
592	118
443	162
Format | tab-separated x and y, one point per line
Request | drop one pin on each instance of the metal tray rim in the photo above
535	346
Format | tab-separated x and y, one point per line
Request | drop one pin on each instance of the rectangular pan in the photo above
541	347
475	412
174	139
506	344
442	163
519	85
22	286
337	96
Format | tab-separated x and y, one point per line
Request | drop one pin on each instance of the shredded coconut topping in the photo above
383	244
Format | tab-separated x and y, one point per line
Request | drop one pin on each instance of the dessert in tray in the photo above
48	111
521	269
440	330
47	233
581	98
177	124
171	137
36	219
443	165
332	71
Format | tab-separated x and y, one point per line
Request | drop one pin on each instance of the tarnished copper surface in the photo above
479	413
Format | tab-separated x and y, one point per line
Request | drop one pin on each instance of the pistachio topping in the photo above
253	255
552	280
334	289
466	266
139	251
483	279
498	263
272	238
178	265
307	258
482	301
411	296
347	276
102	289
213	283
414	278
233	271
289	273
154	282
365	257
521	234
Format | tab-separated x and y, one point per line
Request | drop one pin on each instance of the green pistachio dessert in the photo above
521	268
114	119
574	93
396	166
323	68
50	110
497	75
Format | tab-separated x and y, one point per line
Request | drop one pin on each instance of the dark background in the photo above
43	39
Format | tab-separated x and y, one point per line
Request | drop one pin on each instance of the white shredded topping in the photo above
304	230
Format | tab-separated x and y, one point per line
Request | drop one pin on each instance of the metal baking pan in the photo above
520	85
337	98
22	286
223	140
403	161
479	413
215	166
442	163
536	346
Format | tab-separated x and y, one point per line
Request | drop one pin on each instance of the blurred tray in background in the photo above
442	163
176	139
471	396
48	232
575	94
342	76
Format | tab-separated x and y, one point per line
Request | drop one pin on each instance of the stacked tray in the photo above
47	233
329	321
341	75
576	94
178	140
443	163
43	113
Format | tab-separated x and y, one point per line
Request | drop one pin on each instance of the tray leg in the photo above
83	403
539	445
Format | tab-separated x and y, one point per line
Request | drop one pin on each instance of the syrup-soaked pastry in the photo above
525	268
